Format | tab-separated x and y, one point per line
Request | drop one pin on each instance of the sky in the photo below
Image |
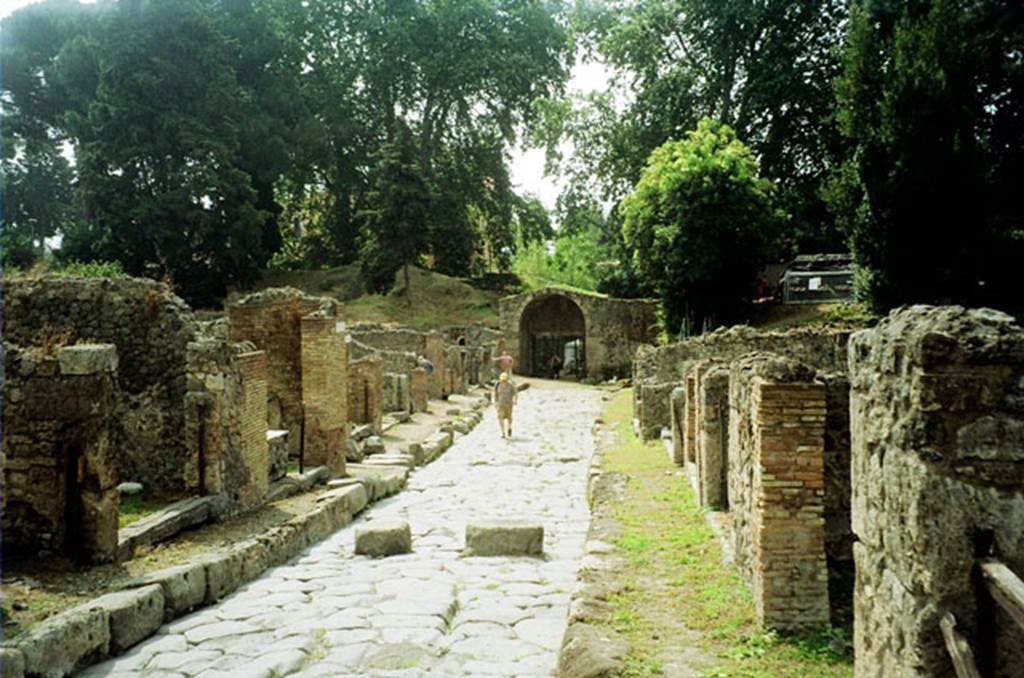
527	166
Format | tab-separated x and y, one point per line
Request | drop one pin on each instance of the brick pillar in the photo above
324	392
790	573
713	437
365	391
255	449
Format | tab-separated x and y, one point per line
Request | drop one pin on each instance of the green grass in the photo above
675	584
137	506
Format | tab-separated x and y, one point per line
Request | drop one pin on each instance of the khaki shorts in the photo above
504	411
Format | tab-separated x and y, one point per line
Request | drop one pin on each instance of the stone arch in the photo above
552	324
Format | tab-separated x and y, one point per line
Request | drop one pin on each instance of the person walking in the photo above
505	398
505	363
556	365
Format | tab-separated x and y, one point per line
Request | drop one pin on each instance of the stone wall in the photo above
226	422
396	344
60	444
272	321
613	329
151	329
366	391
419	389
324	390
937	424
777	457
822	350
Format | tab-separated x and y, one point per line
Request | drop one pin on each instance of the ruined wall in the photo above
324	390
937	424
614	328
822	350
388	341
777	456
419	390
838	532
366	391
226	422
60	445
151	329
272	321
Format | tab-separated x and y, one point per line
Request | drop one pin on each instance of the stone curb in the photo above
108	625
591	648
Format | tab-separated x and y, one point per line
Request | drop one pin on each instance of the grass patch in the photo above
137	506
676	589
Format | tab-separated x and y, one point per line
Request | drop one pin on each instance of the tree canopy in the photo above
209	136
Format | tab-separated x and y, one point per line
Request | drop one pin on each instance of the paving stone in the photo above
383	538
169	661
206	632
277	663
546	633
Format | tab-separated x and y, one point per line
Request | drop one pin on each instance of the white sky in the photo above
527	165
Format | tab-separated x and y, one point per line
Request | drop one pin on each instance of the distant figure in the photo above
505	398
505	363
556	365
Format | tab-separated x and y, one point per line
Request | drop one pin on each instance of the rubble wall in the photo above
150	328
937	433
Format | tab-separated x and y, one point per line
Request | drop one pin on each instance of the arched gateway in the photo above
594	336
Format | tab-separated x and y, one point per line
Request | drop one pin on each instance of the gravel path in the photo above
331	613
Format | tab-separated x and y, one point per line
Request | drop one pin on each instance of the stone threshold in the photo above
111	624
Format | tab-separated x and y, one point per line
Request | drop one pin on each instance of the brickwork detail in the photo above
324	359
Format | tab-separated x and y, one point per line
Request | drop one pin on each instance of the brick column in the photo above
255	450
790	573
324	394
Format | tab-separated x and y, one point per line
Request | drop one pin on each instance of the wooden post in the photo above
959	649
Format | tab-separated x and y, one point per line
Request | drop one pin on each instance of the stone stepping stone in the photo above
504	538
384	538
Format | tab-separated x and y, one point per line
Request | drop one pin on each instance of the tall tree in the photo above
763	67
396	221
700	224
932	103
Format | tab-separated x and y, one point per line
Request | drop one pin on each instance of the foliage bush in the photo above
700	224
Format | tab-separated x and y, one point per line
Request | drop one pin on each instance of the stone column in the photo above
712	436
434	352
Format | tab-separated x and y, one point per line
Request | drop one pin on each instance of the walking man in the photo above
505	398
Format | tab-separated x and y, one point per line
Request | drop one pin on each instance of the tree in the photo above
396	223
932	104
763	67
700	224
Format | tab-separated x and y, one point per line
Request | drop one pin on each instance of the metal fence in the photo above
816	287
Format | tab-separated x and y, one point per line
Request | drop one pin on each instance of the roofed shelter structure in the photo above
595	336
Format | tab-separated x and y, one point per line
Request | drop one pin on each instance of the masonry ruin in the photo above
60	449
927	409
594	336
761	419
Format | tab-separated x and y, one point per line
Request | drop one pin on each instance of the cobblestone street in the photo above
434	611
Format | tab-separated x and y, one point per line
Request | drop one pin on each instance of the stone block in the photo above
72	639
415	450
87	359
353	453
223	574
591	652
384	538
503	538
373	445
184	587
133	614
253	555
